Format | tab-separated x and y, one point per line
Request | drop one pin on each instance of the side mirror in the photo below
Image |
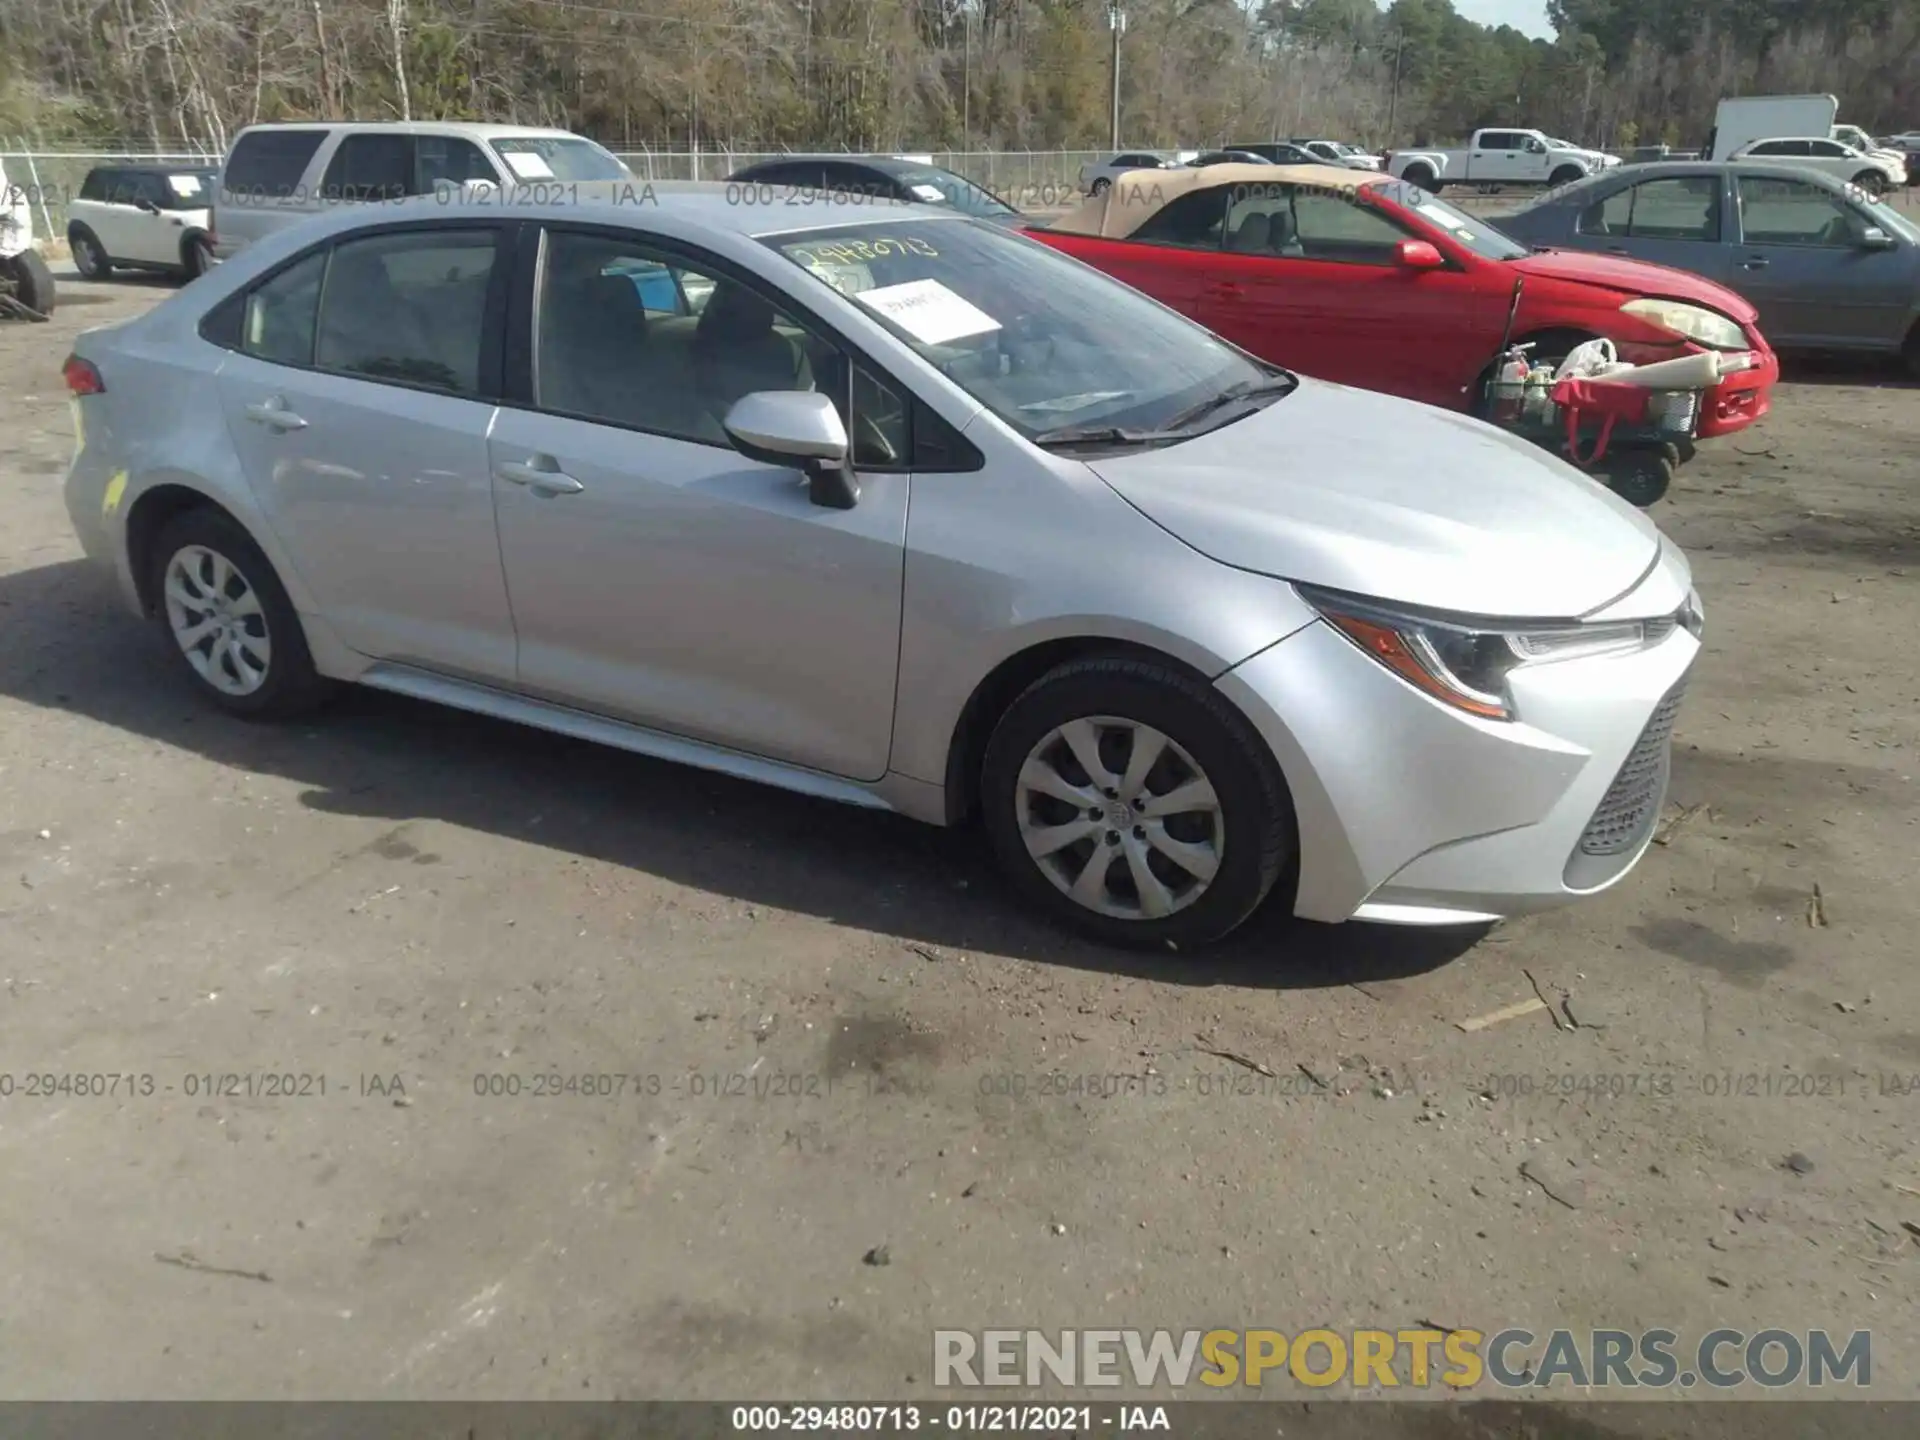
1418	255
801	430
1874	238
147	205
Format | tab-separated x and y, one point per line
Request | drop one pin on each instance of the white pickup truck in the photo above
1500	157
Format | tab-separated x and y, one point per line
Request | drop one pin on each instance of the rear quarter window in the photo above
268	164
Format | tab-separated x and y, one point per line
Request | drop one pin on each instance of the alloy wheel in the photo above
1120	818
217	620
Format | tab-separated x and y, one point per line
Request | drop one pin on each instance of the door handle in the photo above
275	415
541	479
1754	262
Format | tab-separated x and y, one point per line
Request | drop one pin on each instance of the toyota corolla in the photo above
903	510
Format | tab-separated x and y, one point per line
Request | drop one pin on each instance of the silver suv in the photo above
276	175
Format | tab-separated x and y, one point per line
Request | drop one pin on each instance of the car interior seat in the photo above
737	350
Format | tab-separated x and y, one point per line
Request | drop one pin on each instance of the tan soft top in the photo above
1138	195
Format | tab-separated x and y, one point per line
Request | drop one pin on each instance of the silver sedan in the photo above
900	509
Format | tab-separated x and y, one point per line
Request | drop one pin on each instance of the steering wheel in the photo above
1023	344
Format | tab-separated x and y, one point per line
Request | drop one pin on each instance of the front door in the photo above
657	574
1310	280
359	404
1800	262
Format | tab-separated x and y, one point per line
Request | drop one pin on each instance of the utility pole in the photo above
1393	98
1116	22
966	77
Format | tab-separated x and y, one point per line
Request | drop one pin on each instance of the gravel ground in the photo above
397	897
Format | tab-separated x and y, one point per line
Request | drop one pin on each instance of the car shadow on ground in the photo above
66	645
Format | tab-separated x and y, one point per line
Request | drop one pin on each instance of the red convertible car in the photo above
1376	283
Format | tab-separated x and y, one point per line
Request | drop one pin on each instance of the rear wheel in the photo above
1100	187
1135	804
32	281
1423	176
228	618
1910	352
89	255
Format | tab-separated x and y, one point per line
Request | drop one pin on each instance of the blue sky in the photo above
1528	16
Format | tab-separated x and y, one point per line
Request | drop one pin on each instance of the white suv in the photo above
277	175
142	217
1871	173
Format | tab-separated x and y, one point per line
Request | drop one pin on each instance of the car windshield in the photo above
1468	230
943	187
1047	344
557	157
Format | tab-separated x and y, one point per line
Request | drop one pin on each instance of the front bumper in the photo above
1737	401
1412	812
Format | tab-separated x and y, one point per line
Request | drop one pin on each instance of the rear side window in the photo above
1191	222
280	314
410	307
369	168
268	164
95	186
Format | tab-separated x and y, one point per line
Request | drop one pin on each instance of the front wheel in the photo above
1871	181
1135	804
1566	175
196	257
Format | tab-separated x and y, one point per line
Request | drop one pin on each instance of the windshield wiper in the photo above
1245	390
1102	435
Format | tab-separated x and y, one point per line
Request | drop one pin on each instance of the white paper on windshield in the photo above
1074	402
929	311
527	165
184	184
932	194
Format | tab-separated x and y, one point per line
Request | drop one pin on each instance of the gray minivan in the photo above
278	174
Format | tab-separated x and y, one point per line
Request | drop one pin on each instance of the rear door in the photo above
1494	156
359	398
261	185
1680	221
1800	262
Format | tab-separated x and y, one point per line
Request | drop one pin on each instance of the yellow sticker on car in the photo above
116	489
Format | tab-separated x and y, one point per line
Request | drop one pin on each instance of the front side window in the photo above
448	160
1307	223
278	324
1793	212
409	307
644	339
187	189
369	168
1828	150
1045	343
1463	229
566	158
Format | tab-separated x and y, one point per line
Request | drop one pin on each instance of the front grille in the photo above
1631	802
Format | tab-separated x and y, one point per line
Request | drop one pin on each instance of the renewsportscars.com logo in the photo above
1511	1359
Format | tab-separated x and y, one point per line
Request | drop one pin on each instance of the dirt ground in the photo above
396	897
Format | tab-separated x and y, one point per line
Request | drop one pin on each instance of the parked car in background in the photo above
1908	148
277	175
1161	616
1859	139
896	179
143	217
1653	154
1333	152
1098	177
1279	152
1739	120
1376	283
1825	267
24	275
1872	174
1499	157
1227	157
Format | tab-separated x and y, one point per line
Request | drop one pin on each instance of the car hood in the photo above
1637	277
1377	496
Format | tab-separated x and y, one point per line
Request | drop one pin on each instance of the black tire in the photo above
1422	176
1871	181
1256	821
292	686
196	257
1910	352
89	255
1565	175
1639	477
32	281
1100	187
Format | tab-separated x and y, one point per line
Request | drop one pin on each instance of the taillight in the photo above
82	378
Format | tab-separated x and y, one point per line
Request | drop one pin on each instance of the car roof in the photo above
147	167
1137	197
710	205
472	129
891	164
1680	169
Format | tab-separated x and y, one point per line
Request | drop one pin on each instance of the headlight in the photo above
1709	327
1465	663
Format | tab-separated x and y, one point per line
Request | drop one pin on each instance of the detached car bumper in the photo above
1412	812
